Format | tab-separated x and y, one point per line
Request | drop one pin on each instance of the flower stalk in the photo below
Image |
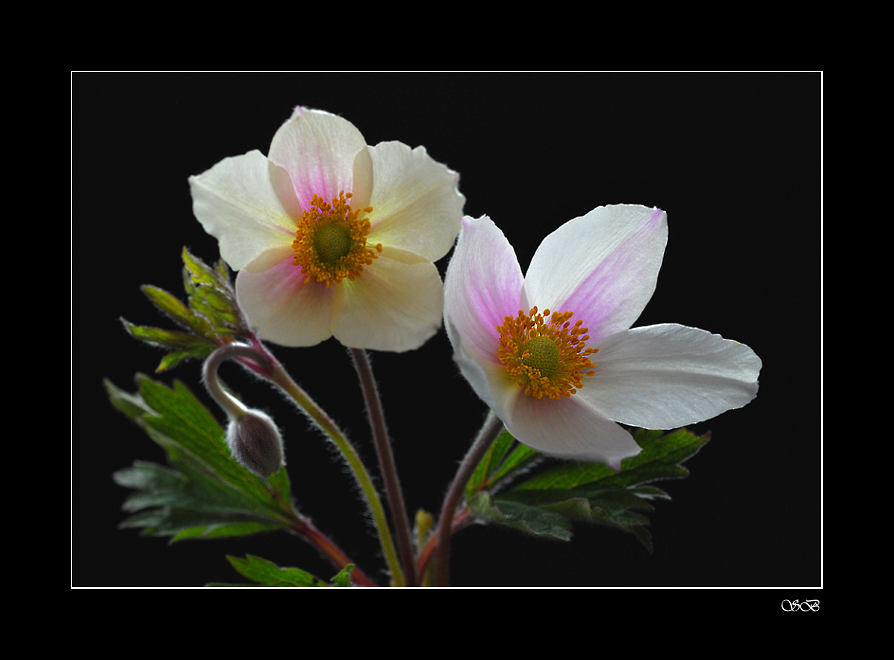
486	436
302	527
284	381
234	408
386	461
262	363
252	436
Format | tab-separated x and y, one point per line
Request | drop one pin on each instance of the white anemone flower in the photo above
553	353
332	237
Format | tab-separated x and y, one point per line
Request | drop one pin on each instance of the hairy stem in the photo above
486	436
386	461
303	528
281	378
265	365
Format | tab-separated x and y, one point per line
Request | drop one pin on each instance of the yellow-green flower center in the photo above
543	355
547	357
330	241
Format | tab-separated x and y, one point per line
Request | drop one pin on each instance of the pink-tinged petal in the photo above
603	266
284	308
392	306
567	428
482	286
319	150
667	376
415	200
489	380
236	202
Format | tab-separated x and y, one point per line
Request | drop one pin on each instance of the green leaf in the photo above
489	463
171	360
521	457
182	345
211	295
210	318
343	578
576	491
204	493
613	507
499	463
661	457
268	574
535	520
169	305
161	337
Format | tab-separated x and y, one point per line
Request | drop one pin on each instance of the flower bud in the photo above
255	442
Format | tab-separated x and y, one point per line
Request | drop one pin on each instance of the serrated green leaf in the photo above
174	339
224	529
210	291
199	272
204	493
661	458
343	578
521	457
530	519
617	508
181	344
611	499
154	485
171	360
568	475
489	463
268	574
169	305
131	405
503	459
210	317
592	492
649	492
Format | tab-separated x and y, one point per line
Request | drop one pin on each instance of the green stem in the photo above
234	408
386	461
486	436
305	529
262	362
280	377
460	520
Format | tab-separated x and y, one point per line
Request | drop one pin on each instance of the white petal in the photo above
235	201
489	380
285	190
270	258
318	150
283	308
603	266
567	428
415	201
392	306
667	376
482	286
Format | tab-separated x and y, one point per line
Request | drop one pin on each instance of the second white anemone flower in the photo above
553	353
332	237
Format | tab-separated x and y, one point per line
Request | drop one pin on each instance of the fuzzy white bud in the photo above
255	442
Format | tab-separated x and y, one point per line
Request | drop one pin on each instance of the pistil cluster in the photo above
330	241
548	356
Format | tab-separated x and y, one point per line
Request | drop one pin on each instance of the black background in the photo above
734	158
